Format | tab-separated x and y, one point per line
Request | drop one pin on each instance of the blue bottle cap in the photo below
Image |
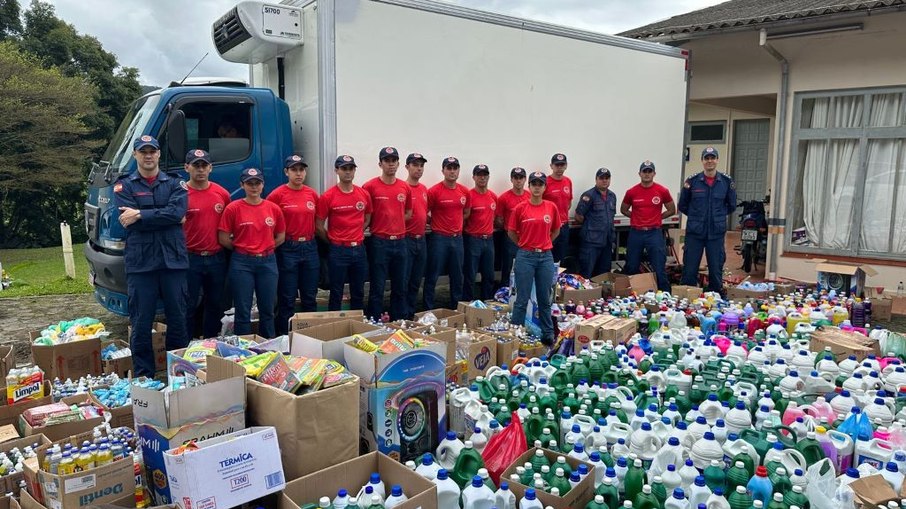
679	494
396	490
476	482
442	474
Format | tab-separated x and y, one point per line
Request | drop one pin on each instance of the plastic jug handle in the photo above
789	439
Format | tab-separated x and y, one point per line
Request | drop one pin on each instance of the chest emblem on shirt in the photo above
566	190
493	206
656	200
547	218
218	208
425	196
462	199
310	205
401	197
269	221
182	184
360	205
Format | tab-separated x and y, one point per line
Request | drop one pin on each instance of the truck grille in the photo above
229	32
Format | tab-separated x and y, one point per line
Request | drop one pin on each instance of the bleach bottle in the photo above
477	495
448	492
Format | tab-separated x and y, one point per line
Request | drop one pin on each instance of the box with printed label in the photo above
482	354
325	341
226	471
10	482
67	360
477	318
88	488
164	420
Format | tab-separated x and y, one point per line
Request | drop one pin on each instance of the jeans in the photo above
144	289
387	257
538	270
561	244
506	259
479	258
652	241
692	258
206	280
347	264
594	260
416	258
300	268
445	253
253	275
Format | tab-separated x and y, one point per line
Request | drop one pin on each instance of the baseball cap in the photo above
251	174
450	161
481	168
646	165
145	141
602	172
538	176
344	160
198	155
388	152
518	171
415	156
293	160
709	151
558	158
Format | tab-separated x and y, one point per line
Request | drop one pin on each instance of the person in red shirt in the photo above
344	212
391	203
559	191
297	258
448	206
647	204
416	248
506	203
478	240
207	261
534	226
253	228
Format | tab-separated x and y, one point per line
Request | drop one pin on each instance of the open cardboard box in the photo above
843	343
621	285
325	341
301	321
579	496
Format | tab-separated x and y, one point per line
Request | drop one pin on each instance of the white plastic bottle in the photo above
893	476
448	492
448	451
342	500
396	497
504	498
427	468
324	502
477	495
530	500
717	500
698	492
479	440
377	485
677	500
688	473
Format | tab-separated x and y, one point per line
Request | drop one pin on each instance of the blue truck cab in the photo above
241	127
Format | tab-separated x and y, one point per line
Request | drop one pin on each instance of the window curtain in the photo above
883	219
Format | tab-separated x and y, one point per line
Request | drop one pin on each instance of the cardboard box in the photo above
315	430
482	354
63	430
301	321
10	502
119	416
83	489
843	344
620	285
579	496
390	368
873	491
738	294
584	295
605	328
447	335
457	373
166	420
226	471
67	360
843	277
121	366
9	414
898	306
478	318
353	474
158	343
177	366
325	341
507	349
687	292
445	317
881	309
7	359
10	482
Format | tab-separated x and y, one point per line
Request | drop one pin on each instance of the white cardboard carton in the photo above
226	471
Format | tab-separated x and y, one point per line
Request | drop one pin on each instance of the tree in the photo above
10	19
43	143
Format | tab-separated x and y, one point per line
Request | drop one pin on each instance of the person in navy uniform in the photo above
152	204
595	212
707	198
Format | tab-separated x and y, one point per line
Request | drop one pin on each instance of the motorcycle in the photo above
754	224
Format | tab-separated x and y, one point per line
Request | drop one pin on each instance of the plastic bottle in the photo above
658	488
448	492
698	492
467	465
67	466
780	481
477	495
717	500
396	497
560	482
760	486
796	497
529	501
504	498
324	503
448	451
479	440
646	499
671	478
609	492
376	502
597	503
714	475
688	473
341	501
740	499
634	481
893	476
678	500
427	468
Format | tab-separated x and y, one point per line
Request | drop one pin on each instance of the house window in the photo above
847	187
707	132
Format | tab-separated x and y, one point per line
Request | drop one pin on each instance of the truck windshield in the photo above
116	158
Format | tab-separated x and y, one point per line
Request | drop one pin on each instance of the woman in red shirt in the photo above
533	226
252	228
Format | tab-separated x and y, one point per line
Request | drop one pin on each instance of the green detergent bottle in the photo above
551	423
810	448
513	402
746	460
597	503
645	499
528	475
546	436
609	492
715	477
562	464
659	490
634	480
696	395
781	481
467	465
671	391
595	368
560	482
737	475
572	402
796	497
486	390
740	499
777	502
580	372
683	404
533	427
539	460
644	365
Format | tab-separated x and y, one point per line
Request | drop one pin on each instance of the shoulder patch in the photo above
732	184
585	198
118	187
686	184
182	184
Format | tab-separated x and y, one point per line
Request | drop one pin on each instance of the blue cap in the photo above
646	165
375	478
451	435
529	493
426	459
679	494
673	441
293	160
396	490
481	169
251	174
575	475
700	480
344	160
450	161
558	158
342	493
415	156
537	176
671	468
145	141
197	155
476	482
595	456
388	152
442	474
504	485
709	152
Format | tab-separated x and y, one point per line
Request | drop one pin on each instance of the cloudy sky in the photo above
165	38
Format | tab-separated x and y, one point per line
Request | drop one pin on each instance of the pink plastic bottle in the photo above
792	413
636	353
883	433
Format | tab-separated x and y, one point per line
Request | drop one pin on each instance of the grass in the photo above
41	272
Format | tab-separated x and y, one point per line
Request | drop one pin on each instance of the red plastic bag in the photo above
503	449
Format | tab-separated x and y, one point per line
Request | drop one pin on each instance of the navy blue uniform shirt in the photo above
707	207
597	228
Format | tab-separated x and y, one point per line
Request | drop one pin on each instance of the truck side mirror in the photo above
176	136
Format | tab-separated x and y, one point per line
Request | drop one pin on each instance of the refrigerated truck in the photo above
329	77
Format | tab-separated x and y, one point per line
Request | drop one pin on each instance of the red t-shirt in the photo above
416	224
710	180
299	207
560	193
203	217
389	203
481	217
345	214
534	224
507	202
446	206
647	205
253	226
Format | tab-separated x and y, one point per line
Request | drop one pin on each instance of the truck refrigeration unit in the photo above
351	76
